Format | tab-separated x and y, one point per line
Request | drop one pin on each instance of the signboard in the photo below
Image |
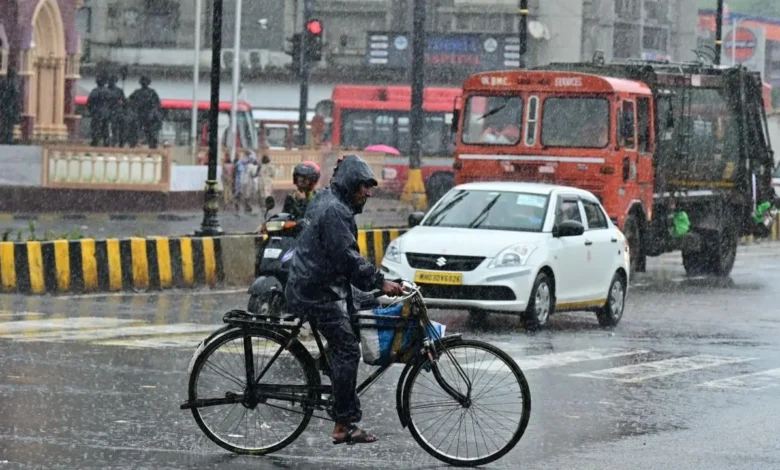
742	46
461	51
747	47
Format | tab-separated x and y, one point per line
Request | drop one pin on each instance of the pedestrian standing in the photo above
148	110
116	104
10	111
265	179
99	107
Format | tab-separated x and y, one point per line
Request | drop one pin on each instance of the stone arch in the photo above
47	81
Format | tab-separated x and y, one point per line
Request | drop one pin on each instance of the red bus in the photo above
357	117
177	122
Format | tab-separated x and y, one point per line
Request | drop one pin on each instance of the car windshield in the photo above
777	172
490	210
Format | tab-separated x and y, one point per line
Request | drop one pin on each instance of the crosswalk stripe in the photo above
541	361
755	381
26	327
651	370
127	331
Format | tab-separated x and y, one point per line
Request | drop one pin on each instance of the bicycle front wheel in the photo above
221	371
482	431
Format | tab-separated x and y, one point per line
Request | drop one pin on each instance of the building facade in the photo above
39	39
464	37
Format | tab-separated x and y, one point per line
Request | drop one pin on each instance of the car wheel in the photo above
612	311
541	304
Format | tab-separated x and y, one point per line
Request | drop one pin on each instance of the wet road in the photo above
688	380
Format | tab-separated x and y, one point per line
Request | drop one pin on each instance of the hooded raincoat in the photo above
325	266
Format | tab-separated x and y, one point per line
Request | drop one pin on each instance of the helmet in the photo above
307	169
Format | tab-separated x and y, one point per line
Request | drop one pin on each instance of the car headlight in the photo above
515	255
393	252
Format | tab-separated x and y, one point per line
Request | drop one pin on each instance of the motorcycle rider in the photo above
326	263
305	177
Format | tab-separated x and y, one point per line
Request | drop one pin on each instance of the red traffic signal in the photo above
314	27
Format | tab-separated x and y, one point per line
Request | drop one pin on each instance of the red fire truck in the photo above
357	117
649	139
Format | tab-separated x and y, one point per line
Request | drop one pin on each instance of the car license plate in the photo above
443	278
272	253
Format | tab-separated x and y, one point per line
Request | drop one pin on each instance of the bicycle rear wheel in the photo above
220	370
479	433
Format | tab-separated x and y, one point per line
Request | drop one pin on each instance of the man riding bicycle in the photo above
325	266
305	178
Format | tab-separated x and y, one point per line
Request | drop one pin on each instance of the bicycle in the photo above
295	389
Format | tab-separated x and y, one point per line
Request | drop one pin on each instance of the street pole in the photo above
718	32
195	81
522	29
236	78
210	225
414	190
305	70
734	23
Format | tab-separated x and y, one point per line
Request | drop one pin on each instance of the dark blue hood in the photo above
352	172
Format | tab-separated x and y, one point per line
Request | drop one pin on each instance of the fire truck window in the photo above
627	130
643	119
494	120
530	121
575	122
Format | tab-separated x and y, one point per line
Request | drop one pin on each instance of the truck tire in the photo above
716	257
724	252
437	186
634	238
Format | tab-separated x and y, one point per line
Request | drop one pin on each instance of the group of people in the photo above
117	120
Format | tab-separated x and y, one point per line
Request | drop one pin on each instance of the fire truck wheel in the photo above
437	186
632	233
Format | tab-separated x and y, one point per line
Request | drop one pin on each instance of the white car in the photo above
522	248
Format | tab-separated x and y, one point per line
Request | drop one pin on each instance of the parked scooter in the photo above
272	262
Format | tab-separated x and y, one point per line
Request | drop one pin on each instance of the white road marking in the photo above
7	329
651	370
755	381
541	361
128	331
164	293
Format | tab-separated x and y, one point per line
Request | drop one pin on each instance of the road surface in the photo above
688	380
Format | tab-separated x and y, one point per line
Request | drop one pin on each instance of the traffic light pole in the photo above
414	191
305	71
523	31
210	225
719	32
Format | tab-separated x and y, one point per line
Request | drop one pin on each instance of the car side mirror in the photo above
415	218
568	228
270	203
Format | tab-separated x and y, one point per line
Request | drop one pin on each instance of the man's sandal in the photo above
350	439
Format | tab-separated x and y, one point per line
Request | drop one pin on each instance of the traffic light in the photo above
295	53
313	34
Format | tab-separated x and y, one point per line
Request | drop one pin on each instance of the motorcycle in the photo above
266	295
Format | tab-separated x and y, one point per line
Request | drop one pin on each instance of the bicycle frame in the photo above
312	396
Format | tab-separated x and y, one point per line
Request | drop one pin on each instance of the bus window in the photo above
361	129
626	126
493	120
575	122
246	130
